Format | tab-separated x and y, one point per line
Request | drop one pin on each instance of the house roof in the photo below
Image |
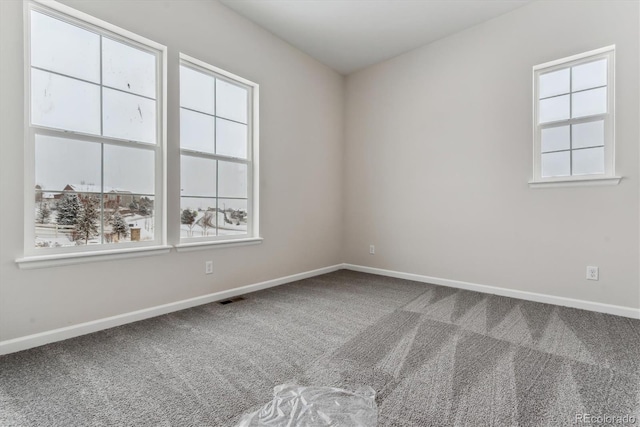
92	188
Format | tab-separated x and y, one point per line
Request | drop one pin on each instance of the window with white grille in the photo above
94	135
574	118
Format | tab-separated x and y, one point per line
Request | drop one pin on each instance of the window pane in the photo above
555	139
231	139
73	219
231	101
555	164
64	48
588	161
588	134
139	216
64	103
197	176
232	217
589	102
128	117
49	233
67	164
128	218
128	170
197	131
232	179
555	83
553	109
200	220
127	68
197	90
591	74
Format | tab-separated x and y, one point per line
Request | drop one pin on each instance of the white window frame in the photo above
608	177
43	257
253	194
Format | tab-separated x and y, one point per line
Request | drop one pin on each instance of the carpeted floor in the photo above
436	356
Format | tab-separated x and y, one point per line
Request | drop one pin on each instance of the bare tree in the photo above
207	221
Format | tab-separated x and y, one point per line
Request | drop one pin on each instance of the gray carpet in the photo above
436	356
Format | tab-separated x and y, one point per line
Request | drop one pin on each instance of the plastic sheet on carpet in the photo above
298	406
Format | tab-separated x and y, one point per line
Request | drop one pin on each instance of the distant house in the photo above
119	197
112	197
72	188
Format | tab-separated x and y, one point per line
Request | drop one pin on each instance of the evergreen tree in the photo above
86	226
144	200
188	218
120	227
43	213
69	209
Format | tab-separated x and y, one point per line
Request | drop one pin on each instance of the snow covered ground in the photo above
223	228
52	235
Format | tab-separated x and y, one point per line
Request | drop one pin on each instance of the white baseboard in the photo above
35	340
617	310
42	338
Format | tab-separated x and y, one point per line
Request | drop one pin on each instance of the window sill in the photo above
187	247
576	182
57	260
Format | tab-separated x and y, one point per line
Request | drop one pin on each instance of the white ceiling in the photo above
348	35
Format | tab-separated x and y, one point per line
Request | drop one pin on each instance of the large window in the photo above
218	154
94	135
574	118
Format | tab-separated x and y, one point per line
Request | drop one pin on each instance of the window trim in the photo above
71	254
608	177
56	260
253	180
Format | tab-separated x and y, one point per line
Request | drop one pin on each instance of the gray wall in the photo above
301	162
439	153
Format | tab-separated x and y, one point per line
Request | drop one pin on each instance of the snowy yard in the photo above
52	234
224	227
139	228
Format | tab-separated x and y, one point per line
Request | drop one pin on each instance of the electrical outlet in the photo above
372	249
208	267
592	273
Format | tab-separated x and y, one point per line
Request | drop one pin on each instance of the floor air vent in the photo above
229	301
